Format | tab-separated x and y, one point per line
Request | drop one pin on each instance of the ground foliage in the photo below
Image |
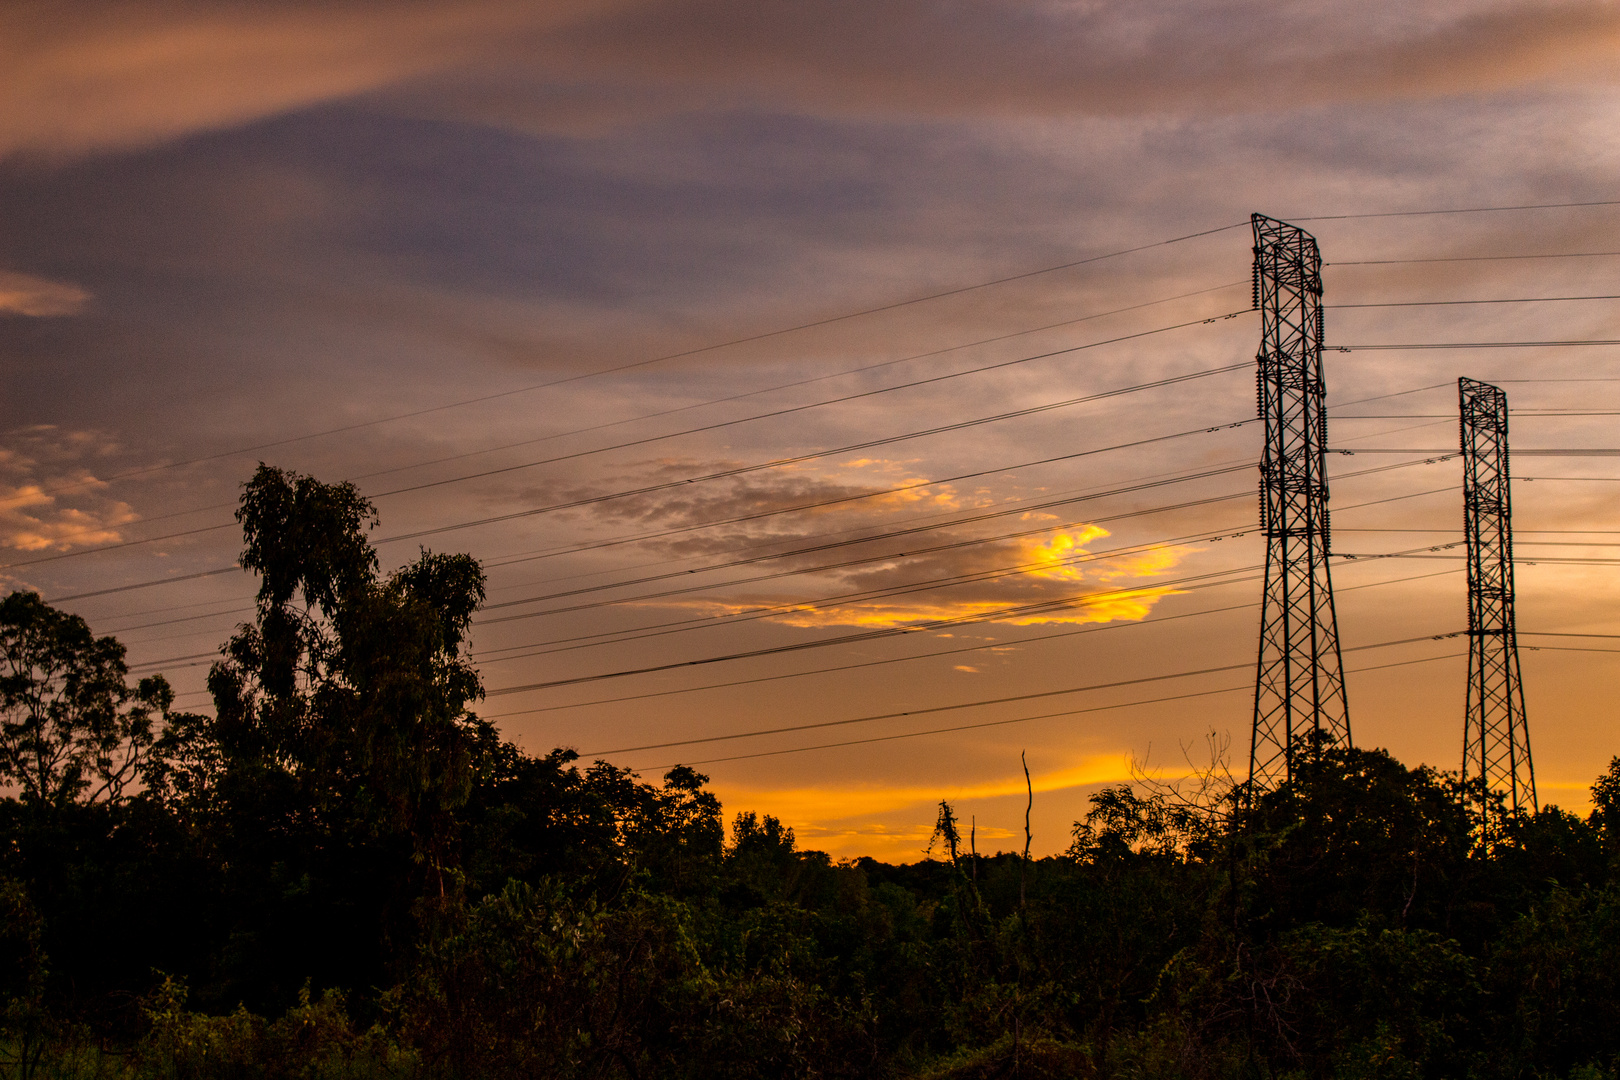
345	873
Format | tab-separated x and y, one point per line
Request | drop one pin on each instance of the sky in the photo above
862	369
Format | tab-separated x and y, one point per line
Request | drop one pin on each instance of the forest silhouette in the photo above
344	872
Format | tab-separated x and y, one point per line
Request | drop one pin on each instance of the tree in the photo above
71	727
350	687
1605	817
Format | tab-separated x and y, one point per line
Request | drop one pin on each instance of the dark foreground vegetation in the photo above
344	873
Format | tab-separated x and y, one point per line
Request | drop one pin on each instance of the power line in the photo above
890	556
173	660
799	382
1572	451
1475	345
1473	258
1035	639
840	600
944	523
1016	610
1532	560
505	469
1095	629
1450	303
146	584
419	534
661	629
596	545
1382	397
1549	633
866	444
670	356
182	619
716	426
930	527
806	570
927	626
887	557
1456	210
1528	532
904	386
1523	414
864	538
800	408
951	523
876	494
723	474
1026	719
1008	699
859	313
118	546
909	587
704	622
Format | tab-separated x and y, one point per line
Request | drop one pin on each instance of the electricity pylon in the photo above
1496	738
1299	697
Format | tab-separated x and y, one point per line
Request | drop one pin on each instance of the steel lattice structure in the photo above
1496	739
1299	696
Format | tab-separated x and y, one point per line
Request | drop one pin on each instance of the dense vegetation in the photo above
344	873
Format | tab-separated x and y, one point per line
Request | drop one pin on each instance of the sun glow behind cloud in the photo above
1048	579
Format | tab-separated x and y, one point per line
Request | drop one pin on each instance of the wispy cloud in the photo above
81	78
930	57
25	294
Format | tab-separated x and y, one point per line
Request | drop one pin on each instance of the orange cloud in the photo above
1024	582
25	294
32	516
1131	606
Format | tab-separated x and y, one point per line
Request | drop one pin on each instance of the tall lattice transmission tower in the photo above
1299	680
1496	739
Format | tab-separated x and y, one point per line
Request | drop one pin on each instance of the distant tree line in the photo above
344	872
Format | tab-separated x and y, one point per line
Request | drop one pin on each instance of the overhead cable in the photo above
1005	700
1035	639
1457	210
1472	258
1248	687
727	473
743	340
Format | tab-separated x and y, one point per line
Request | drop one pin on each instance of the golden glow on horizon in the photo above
841	819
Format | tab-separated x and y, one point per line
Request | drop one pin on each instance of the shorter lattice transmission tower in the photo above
1496	738
1299	694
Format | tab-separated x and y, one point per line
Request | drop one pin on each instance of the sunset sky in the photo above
664	309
